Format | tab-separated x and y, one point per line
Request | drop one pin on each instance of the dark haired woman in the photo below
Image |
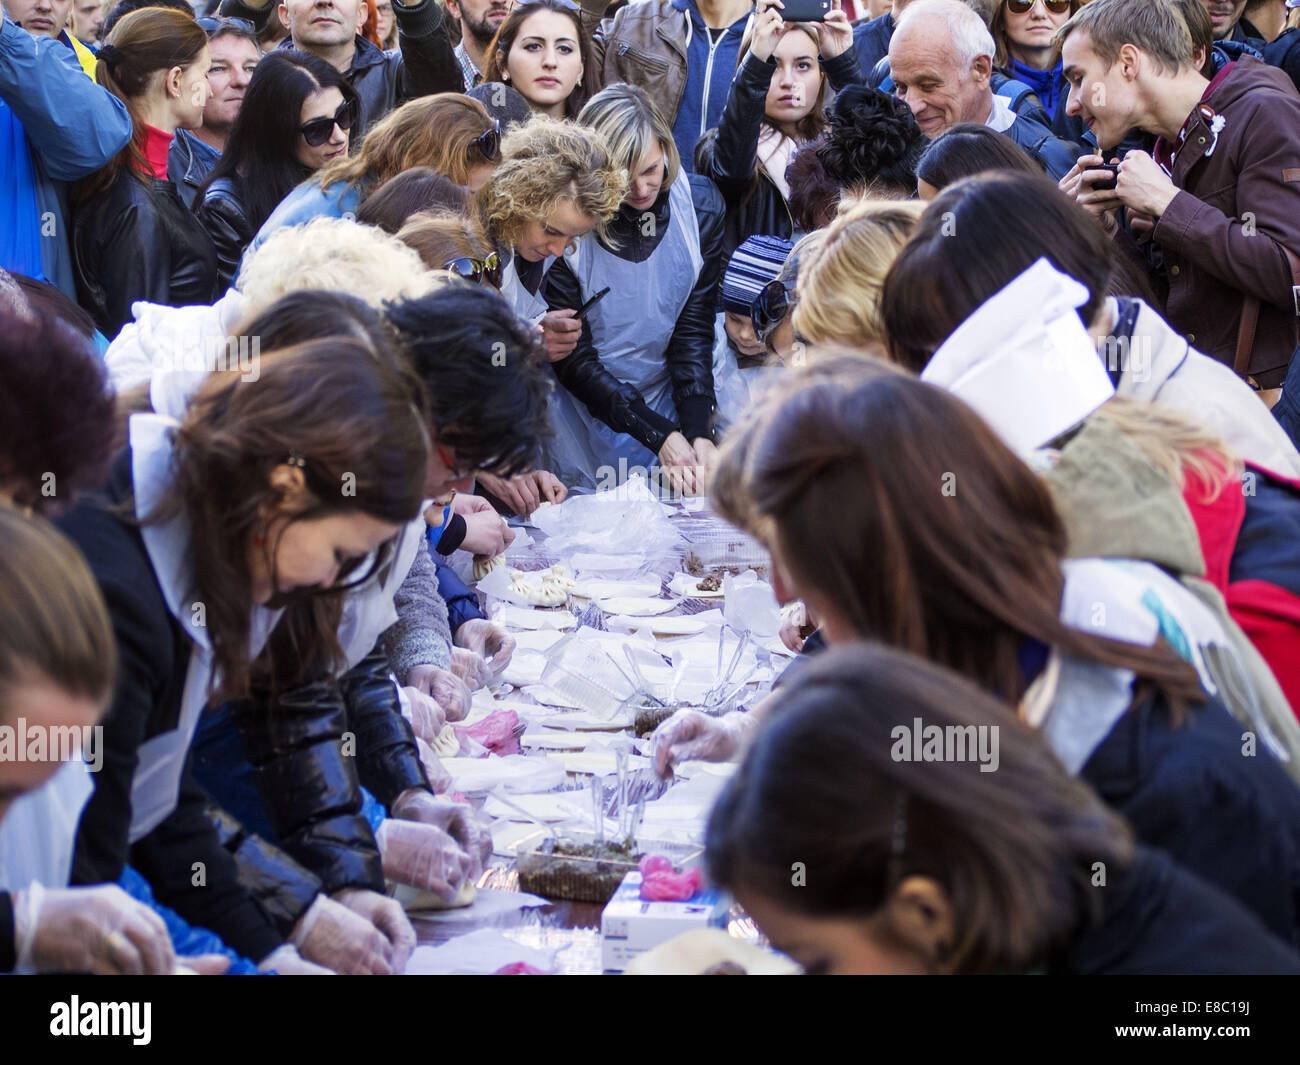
774	109
982	233
943	866
208	529
133	237
965	150
294	120
971	574
1023	32
541	52
872	145
399	199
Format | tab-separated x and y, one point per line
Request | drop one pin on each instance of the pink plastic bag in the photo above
520	968
660	882
496	732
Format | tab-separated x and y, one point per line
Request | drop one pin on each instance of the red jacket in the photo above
1251	542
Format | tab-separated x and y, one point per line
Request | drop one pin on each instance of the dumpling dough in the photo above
415	899
446	744
553	590
484	566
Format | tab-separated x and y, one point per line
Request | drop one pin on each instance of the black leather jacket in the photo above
424	62
313	746
690	350
137	240
222	214
728	154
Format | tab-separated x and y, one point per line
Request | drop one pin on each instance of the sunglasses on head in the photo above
769	308
1056	7
210	24
489	142
319	130
488	269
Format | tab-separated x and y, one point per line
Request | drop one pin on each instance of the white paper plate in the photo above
676	625
550	808
636	606
583	722
555	741
685	584
518	617
601	763
609	589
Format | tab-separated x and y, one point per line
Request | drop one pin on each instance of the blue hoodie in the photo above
710	68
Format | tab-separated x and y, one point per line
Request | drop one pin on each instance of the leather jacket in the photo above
310	775
423	63
729	154
689	354
137	240
222	214
644	45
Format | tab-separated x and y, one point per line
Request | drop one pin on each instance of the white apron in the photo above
155	785
527	305
39	832
630	330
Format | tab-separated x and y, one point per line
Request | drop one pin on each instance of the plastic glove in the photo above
424	857
794	616
488	639
99	930
439	778
690	735
445	688
486	533
333	935
427	717
204	964
287	961
388	916
471	667
454	818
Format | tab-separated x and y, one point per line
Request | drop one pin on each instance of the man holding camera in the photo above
1220	196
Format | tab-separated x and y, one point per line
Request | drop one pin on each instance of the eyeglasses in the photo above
489	142
449	460
319	130
210	25
1056	7
769	308
477	270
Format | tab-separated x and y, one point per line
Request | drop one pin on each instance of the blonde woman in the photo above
839	288
638	388
447	132
775	107
556	183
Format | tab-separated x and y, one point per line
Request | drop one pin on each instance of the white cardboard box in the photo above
630	926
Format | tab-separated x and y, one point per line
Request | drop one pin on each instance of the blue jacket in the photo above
72	127
871	40
306	202
710	69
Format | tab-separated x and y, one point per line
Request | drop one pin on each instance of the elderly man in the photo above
1220	197
941	62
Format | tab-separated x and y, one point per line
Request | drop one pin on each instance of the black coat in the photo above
728	155
153	656
690	351
424	62
1159	919
223	215
137	240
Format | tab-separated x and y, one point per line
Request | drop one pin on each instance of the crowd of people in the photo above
979	315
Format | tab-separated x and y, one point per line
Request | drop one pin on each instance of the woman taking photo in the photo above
132	236
969	571
942	867
643	366
541	52
448	132
208	528
297	114
776	106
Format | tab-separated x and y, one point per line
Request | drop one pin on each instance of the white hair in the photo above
333	253
968	31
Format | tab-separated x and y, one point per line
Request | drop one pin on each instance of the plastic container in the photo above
578	877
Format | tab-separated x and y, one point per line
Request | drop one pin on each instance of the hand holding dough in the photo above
483	565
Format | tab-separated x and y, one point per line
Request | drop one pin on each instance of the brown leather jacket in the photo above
644	44
1223	236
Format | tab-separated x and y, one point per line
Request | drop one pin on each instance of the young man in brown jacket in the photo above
1221	195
